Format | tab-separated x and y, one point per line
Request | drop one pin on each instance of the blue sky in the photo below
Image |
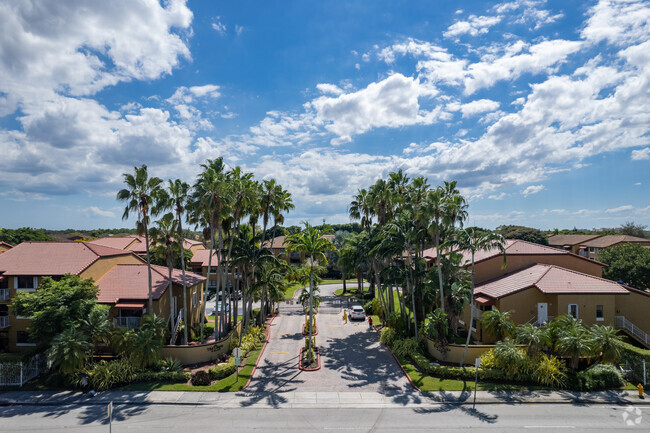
539	109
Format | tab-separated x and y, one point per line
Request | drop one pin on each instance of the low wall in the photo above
455	352
197	353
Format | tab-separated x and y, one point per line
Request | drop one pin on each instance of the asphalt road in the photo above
352	359
190	418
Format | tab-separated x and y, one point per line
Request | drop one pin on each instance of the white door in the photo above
542	312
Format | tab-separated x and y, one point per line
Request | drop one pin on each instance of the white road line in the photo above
550	426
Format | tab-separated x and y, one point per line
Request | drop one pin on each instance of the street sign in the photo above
110	417
237	361
477	362
110	409
236	352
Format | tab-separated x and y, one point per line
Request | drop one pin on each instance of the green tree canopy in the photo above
56	306
629	263
23	234
528	234
631	229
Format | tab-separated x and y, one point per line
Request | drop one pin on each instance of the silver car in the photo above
356	312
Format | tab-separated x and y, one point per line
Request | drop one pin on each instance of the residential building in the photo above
572	243
4	247
199	265
277	245
137	244
594	246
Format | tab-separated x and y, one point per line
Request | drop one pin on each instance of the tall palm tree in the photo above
310	242
164	236
432	211
285	204
178	193
140	196
272	195
473	241
360	209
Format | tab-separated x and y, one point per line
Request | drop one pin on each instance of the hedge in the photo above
633	357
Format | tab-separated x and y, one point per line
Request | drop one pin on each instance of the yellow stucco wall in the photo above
635	307
102	265
197	353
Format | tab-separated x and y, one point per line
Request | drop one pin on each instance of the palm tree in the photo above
432	212
473	241
498	323
284	204
533	337
164	235
96	326
575	341
271	203
70	350
141	195
178	194
606	342
310	242
360	209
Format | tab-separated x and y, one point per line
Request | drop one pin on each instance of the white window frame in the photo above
28	289
577	316
592	250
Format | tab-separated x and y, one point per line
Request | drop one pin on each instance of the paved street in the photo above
352	358
443	417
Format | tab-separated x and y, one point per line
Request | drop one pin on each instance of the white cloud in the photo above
329	89
478	106
94	210
641	154
474	26
532	189
619	209
618	21
239	29
218	26
186	95
499	196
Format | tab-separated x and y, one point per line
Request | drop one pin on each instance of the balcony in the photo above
126	322
4	322
4	294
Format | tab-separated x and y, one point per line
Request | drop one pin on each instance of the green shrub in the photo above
162	376
510	358
170	364
108	374
223	370
200	378
387	336
633	357
395	321
368	308
406	347
549	371
600	377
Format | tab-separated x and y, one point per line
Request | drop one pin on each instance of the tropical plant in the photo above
437	328
549	371
96	326
70	351
498	323
606	343
140	196
533	337
406	347
509	357
164	235
575	342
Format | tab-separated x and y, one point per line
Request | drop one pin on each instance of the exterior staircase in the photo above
634	331
176	326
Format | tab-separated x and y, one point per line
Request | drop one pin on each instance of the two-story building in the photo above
278	247
4	247
137	244
590	245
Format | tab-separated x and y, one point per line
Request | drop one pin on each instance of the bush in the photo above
549	371
220	371
368	308
387	336
633	357
162	376
200	378
171	365
600	377
108	374
395	321
406	347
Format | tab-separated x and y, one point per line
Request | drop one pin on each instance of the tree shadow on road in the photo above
449	402
270	381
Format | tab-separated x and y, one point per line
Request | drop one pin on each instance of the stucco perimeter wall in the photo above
455	352
194	354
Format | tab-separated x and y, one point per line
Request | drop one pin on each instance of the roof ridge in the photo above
544	274
587	275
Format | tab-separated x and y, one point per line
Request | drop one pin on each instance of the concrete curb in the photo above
302	349
268	337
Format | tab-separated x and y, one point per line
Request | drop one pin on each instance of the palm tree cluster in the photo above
226	205
403	218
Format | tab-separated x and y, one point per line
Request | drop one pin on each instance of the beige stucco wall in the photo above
455	352
587	307
197	353
104	264
636	308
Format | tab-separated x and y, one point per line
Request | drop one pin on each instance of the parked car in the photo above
357	312
217	308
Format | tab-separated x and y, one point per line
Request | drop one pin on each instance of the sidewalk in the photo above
323	400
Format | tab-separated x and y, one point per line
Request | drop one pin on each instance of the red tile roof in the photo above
4	244
53	258
570	239
119	242
278	241
549	279
132	282
513	247
609	240
200	257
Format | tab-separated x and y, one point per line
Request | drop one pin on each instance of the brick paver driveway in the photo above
352	359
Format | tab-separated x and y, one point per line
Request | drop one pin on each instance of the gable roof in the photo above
132	282
6	245
549	279
278	241
201	257
513	247
119	242
609	240
570	239
53	258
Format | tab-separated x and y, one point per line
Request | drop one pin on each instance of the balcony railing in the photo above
4	294
126	322
477	313
622	323
4	322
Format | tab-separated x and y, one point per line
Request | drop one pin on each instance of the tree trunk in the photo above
471	316
170	287
205	291
439	266
185	321
311	299
146	238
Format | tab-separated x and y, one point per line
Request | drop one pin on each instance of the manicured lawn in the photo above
289	291
227	384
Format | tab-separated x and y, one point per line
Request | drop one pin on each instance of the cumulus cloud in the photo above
474	26
641	154
478	106
624	208
532	189
329	89
95	211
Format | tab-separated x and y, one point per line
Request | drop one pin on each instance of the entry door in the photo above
542	312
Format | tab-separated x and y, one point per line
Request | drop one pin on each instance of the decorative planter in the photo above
305	330
316	349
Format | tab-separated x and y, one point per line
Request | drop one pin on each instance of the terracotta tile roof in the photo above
609	240
132	282
513	247
119	242
188	243
571	240
53	258
200	257
548	279
278	241
4	244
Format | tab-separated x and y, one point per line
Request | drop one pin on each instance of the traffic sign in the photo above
237	361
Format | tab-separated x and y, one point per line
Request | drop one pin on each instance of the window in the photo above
195	299
26	282
599	313
573	310
592	250
4	283
22	339
213	269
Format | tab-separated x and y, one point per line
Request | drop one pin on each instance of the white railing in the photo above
4	322
18	373
622	323
4	294
126	322
477	313
176	326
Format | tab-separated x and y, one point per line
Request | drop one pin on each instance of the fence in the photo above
635	331
19	373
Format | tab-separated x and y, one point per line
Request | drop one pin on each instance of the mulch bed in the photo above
314	365
305	330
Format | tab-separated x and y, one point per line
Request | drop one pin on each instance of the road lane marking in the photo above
279	353
549	426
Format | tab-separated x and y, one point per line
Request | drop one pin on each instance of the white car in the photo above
356	312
